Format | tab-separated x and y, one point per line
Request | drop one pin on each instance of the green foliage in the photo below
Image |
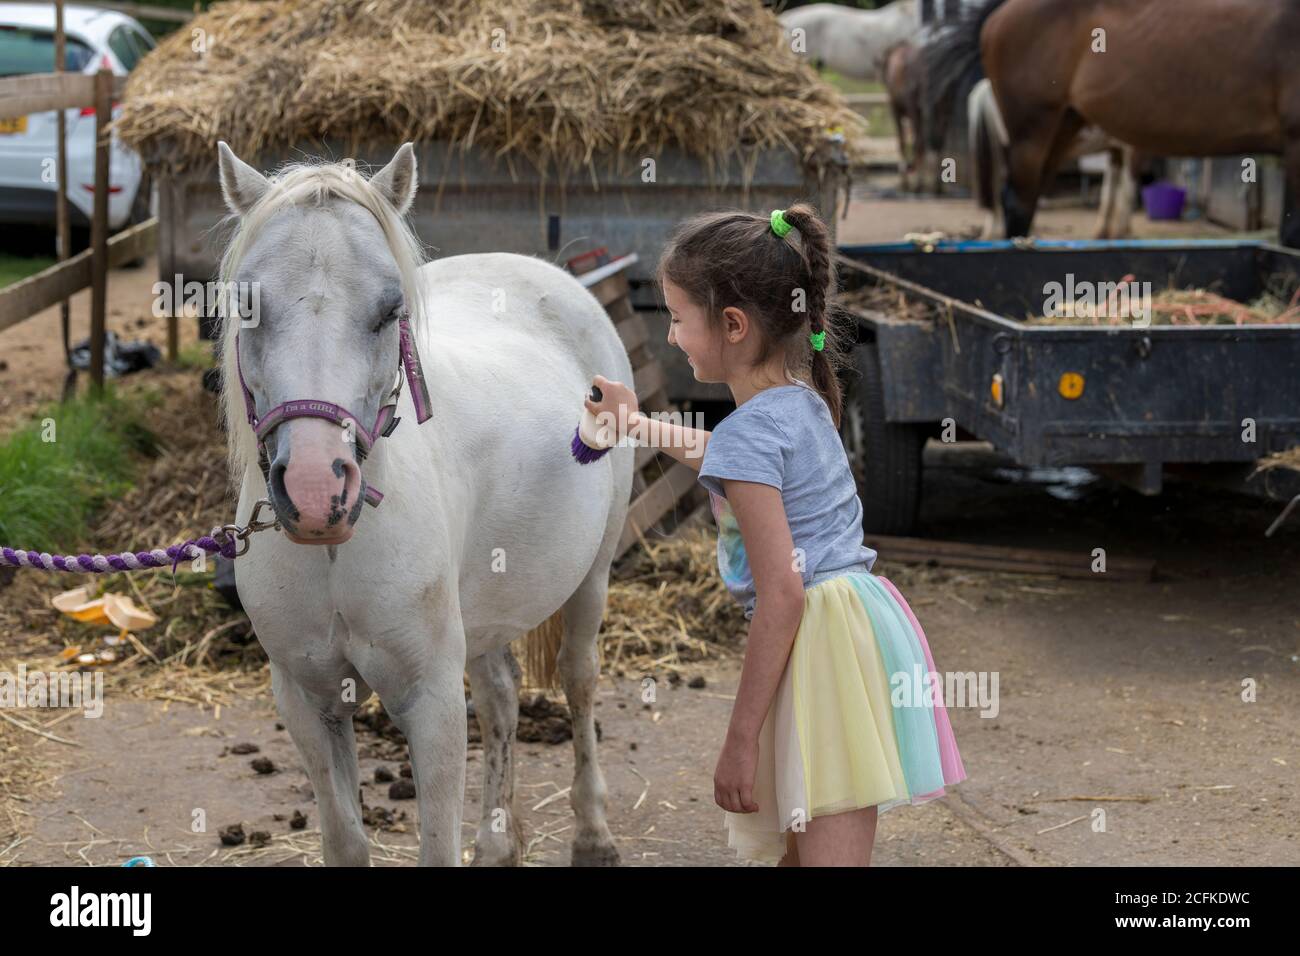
196	355
56	470
13	268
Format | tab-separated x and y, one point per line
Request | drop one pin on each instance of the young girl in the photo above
816	745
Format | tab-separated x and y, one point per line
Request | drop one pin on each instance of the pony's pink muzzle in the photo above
315	482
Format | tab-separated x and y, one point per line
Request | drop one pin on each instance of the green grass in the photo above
849	85
196	355
13	268
49	489
879	121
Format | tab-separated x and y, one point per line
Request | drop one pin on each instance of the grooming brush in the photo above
591	439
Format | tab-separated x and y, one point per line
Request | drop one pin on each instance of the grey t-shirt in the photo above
785	437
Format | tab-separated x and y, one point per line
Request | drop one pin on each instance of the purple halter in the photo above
313	408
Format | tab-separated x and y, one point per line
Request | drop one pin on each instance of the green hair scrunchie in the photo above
779	225
818	340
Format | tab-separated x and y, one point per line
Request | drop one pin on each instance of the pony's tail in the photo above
950	63
542	650
981	152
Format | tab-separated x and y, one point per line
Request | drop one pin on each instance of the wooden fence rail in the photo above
39	92
43	92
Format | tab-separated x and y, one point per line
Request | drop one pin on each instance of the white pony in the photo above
988	144
851	42
489	529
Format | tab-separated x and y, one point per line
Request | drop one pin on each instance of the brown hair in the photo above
733	258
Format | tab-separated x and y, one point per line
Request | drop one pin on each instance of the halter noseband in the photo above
385	421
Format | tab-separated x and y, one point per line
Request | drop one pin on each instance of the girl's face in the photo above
689	330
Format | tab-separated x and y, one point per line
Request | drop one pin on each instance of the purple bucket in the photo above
1163	201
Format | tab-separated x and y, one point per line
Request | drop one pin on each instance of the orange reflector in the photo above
995	389
1071	385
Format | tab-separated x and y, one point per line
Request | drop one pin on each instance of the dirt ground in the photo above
1121	700
32	364
1119	697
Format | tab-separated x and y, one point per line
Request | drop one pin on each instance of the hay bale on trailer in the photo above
538	121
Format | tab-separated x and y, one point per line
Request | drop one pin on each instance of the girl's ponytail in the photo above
816	243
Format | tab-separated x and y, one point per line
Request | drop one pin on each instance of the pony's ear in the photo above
241	184
397	181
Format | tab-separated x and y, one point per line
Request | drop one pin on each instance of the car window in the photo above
26	50
141	43
123	46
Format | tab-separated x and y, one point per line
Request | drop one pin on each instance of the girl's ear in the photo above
736	324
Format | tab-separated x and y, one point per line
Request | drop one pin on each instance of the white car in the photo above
96	38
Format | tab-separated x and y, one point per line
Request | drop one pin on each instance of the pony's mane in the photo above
298	184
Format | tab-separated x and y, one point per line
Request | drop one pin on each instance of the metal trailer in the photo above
1136	403
470	201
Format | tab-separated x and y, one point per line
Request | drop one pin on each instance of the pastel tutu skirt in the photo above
839	736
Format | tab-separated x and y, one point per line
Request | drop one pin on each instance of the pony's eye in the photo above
388	318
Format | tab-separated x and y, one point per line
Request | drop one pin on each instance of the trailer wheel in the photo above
886	456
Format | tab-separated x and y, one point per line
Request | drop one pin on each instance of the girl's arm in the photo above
619	406
779	609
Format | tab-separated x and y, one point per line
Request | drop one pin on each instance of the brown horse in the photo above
901	68
1168	77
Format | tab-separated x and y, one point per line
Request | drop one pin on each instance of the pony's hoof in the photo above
498	851
594	854
494	859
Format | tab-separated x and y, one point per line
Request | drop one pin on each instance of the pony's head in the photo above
313	283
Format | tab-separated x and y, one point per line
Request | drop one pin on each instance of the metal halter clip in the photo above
228	532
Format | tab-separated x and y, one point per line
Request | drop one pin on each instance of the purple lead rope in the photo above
109	563
224	540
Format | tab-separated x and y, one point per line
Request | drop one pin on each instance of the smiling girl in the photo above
817	744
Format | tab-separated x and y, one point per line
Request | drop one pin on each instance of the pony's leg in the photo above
1289	234
428	706
989	230
494	684
1038	140
321	727
904	163
1106	209
593	845
1128	171
916	157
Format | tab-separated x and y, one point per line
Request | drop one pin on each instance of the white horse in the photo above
489	529
988	144
851	42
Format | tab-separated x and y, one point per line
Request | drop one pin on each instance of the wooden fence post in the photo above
62	225
99	228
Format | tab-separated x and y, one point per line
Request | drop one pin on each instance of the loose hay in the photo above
556	82
1290	458
1181	307
1171	306
669	611
889	301
180	495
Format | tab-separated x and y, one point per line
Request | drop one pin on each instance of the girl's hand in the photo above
616	407
733	780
